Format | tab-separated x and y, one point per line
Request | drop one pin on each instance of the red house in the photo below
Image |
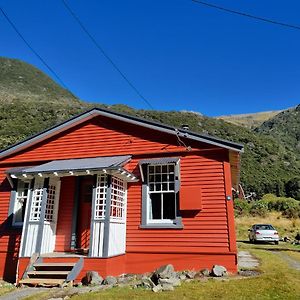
115	194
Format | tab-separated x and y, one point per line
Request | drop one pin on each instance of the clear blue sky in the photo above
180	55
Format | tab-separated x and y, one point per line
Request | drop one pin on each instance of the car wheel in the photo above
276	243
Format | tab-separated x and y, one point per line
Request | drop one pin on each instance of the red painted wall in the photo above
208	233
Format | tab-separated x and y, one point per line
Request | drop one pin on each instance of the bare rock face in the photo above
218	271
92	278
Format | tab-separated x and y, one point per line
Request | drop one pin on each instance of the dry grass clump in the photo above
284	226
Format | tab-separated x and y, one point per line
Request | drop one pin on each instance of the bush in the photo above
289	207
241	207
259	208
280	203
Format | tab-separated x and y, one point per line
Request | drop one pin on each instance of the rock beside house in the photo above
165	278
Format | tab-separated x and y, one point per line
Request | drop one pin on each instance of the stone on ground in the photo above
219	271
205	272
166	271
172	281
110	280
93	278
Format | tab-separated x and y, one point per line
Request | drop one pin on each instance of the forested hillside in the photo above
30	101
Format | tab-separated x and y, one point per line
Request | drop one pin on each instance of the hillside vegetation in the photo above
30	102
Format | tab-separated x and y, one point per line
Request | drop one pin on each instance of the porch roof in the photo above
82	166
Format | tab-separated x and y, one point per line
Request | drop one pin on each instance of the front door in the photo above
84	214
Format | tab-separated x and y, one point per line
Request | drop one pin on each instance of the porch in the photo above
73	207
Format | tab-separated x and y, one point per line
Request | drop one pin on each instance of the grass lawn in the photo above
6	289
277	279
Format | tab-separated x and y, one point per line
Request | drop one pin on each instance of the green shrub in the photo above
280	203
259	208
241	207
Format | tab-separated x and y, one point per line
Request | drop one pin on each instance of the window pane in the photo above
151	178
164	169
155	212
171	177
164	177
157	178
171	168
157	187
171	186
165	187
151	169
169	206
151	187
157	169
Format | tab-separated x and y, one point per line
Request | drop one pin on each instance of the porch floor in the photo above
62	254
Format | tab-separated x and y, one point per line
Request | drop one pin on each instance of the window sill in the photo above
176	225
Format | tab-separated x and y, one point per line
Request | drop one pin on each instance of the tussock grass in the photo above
284	226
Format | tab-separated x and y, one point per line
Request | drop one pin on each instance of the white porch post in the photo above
24	236
39	240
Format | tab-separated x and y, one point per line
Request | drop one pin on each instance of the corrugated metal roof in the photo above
95	163
159	161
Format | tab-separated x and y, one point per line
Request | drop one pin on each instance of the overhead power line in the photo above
104	53
246	14
32	49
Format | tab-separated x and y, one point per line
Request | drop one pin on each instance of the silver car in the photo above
263	233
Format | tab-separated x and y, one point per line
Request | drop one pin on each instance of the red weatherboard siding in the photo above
204	231
9	237
208	235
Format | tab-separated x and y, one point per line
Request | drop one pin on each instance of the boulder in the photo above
190	274
167	287
147	283
110	280
157	288
93	278
182	276
218	271
166	271
172	281
205	272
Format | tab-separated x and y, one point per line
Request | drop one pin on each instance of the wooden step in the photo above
54	265
41	281
36	273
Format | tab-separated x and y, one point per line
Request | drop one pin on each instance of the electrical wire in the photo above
31	48
246	14
104	53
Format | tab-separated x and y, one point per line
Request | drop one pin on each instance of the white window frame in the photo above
161	192
17	203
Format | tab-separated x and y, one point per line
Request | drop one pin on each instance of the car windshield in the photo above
264	227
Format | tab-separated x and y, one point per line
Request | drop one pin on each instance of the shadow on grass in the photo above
268	246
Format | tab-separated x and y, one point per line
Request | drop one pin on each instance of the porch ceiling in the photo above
75	167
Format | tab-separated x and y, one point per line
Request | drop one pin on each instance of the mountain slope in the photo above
31	102
285	127
250	120
21	81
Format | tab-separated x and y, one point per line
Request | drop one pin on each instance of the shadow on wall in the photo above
10	238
